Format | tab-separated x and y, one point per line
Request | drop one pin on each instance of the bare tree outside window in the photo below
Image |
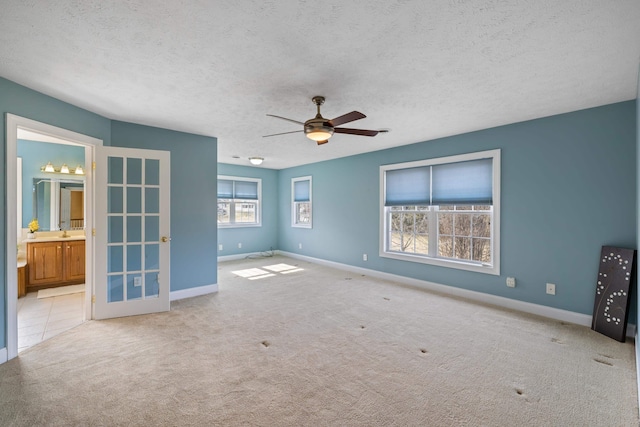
463	232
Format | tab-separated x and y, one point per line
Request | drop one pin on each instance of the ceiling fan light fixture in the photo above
256	160
319	129
319	133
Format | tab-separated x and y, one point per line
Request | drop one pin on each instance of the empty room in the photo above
383	213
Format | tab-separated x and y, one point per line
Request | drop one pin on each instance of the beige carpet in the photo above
322	347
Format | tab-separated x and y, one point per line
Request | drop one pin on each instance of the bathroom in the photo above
51	259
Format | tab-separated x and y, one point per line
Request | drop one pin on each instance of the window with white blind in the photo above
301	215
239	201
443	211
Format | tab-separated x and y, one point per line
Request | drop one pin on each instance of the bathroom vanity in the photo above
55	261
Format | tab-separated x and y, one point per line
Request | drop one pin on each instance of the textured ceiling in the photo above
424	69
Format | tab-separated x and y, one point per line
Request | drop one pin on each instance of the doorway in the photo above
17	128
51	288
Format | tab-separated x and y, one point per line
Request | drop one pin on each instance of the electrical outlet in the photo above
551	288
511	282
299	245
219	247
364	257
137	281
239	245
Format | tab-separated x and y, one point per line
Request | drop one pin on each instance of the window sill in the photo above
301	226
458	265
238	225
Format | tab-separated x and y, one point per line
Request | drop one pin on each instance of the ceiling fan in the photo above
320	129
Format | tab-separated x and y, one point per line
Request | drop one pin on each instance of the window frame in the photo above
234	202
385	215
294	204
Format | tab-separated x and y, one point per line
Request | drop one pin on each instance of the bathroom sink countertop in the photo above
53	239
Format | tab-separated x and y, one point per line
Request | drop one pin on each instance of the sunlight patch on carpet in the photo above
252	273
269	270
281	268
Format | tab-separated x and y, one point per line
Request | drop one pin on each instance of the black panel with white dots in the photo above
615	276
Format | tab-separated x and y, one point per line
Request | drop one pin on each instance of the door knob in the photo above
165	239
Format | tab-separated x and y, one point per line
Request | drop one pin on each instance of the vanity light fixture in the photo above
49	168
256	160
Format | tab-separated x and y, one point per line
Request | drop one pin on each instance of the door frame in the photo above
13	123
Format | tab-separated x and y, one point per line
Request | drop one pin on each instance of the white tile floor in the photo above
41	319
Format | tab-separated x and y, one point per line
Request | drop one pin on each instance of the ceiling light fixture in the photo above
256	160
319	133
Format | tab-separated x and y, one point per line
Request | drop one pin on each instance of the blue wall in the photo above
193	255
36	154
568	187
193	200
253	239
24	102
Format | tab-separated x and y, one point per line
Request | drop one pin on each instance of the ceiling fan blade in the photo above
283	133
284	118
362	132
346	118
323	142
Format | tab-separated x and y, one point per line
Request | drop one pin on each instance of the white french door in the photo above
132	243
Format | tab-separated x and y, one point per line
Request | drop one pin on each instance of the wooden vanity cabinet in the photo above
22	281
74	255
57	263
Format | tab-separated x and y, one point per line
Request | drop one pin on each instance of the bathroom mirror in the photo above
58	204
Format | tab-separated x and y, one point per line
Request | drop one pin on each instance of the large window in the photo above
443	211
239	201
301	202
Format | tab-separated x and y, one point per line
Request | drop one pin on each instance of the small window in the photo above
239	201
443	211
301	202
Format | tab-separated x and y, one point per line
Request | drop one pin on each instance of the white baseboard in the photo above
526	307
3	355
193	292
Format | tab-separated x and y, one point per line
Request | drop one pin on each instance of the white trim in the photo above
637	349
443	262
13	123
240	256
526	307
3	355
19	196
193	292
